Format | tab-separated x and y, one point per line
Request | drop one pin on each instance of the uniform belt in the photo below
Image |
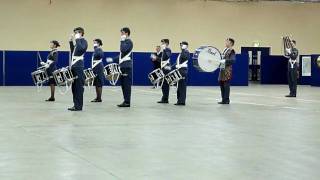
96	62
125	58
76	59
292	63
164	63
184	64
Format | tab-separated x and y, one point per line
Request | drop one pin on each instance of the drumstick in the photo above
39	56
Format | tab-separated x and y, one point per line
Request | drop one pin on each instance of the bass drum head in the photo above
207	59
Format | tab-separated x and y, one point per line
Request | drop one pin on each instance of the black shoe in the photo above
123	105
180	104
96	100
223	102
74	109
50	99
290	96
163	102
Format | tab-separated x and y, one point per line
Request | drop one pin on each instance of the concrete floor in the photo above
260	136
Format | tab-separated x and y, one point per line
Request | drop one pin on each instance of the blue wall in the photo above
315	71
274	70
18	67
20	64
303	80
1	68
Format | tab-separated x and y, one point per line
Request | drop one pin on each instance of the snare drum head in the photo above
207	58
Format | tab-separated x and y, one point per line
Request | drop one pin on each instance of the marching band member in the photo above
225	75
165	66
125	63
293	69
98	68
51	65
156	58
182	65
78	50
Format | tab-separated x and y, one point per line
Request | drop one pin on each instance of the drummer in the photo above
98	68
225	75
125	63
165	66
182	66
78	50
156	58
51	65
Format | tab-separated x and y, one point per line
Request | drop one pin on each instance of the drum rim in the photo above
196	59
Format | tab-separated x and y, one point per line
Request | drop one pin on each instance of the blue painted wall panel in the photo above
274	70
315	71
19	65
1	68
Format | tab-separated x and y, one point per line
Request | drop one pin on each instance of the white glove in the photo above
168	68
163	46
288	50
222	61
77	36
153	56
43	63
123	37
178	66
109	60
71	37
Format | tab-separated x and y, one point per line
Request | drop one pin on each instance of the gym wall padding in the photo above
274	70
18	67
315	71
20	64
1	68
240	70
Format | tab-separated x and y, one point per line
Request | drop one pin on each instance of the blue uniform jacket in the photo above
126	47
78	50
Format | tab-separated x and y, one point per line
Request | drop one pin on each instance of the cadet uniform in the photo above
157	61
97	66
78	50
52	64
182	65
166	67
293	67
125	63
225	74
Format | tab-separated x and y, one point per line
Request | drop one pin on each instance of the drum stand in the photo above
114	79
159	83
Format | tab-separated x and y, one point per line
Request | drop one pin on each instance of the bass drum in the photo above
206	59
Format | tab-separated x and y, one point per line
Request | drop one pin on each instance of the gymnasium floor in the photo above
260	136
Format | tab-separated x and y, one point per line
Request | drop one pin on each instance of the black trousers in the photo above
182	86
292	81
126	82
77	87
225	91
156	65
165	88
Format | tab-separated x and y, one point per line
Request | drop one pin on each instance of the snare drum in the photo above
156	77
40	76
173	77
112	73
63	76
89	76
206	58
